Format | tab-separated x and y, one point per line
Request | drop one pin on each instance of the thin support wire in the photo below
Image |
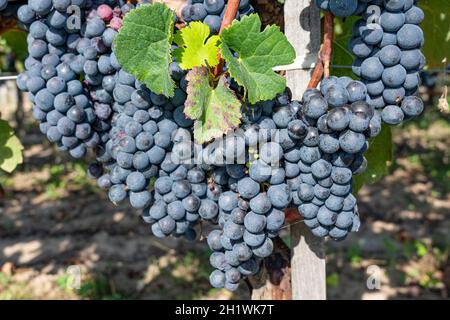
6	78
13	76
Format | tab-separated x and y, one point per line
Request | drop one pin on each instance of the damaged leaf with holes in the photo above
216	111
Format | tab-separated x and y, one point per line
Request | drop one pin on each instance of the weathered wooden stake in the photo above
302	28
273	282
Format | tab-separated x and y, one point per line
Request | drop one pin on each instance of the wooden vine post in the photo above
302	28
299	273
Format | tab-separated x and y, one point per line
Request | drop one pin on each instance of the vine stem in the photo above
322	68
229	16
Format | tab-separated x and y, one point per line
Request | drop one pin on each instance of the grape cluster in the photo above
211	12
283	151
298	154
147	156
344	122
84	99
70	72
250	190
387	42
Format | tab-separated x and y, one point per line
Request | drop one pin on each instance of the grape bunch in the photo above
211	12
73	113
386	42
249	192
344	122
243	182
297	154
84	99
149	137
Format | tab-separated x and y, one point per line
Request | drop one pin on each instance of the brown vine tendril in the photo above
322	68
230	15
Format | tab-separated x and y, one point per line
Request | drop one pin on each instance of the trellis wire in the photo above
6	78
14	76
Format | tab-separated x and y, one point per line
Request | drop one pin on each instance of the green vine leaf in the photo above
215	110
10	148
258	52
195	49
379	158
16	41
436	29
143	46
341	55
